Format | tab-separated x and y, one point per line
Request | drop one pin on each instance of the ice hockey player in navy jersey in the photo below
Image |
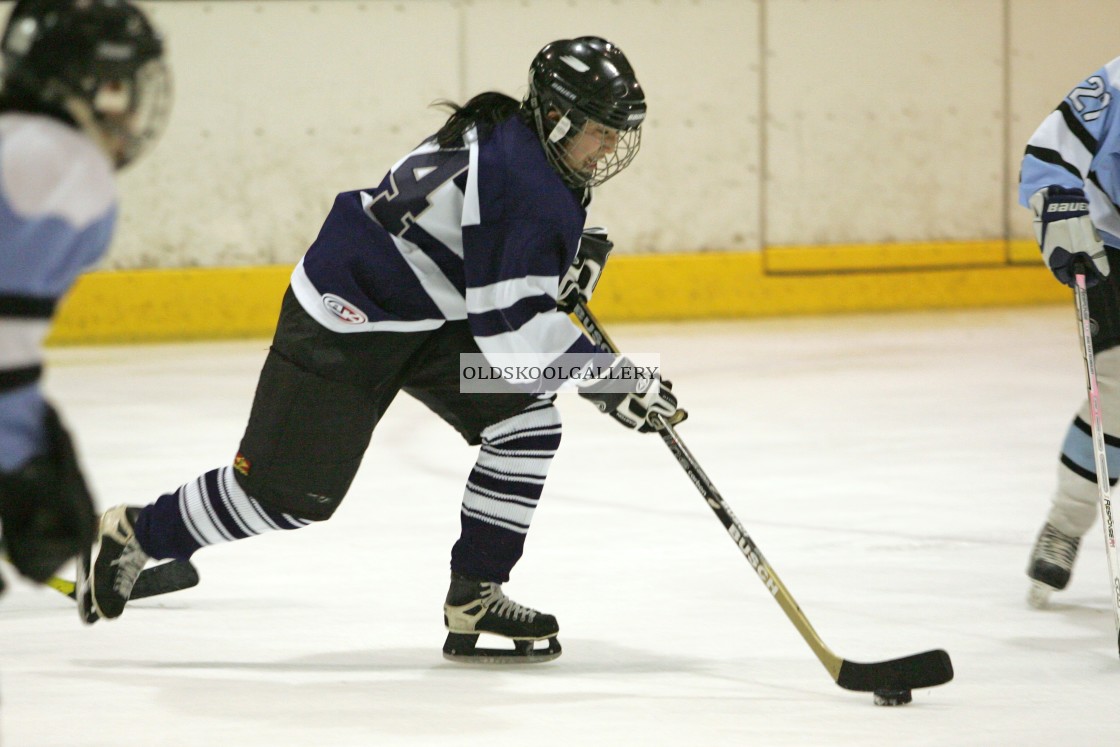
83	90
1070	179
472	243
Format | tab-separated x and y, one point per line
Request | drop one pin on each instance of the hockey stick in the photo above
892	680
165	578
1099	457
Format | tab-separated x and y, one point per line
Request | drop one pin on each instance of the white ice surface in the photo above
893	468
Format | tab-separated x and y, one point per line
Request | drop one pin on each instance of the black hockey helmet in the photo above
99	62
573	82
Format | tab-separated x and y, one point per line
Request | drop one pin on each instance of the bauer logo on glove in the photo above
1070	209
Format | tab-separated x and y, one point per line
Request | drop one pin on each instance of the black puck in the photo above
893	697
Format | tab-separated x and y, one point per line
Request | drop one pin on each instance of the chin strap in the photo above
81	112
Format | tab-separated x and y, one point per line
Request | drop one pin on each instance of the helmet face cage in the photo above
130	113
589	153
99	61
588	109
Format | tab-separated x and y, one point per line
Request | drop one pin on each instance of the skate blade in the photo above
461	648
81	591
1039	595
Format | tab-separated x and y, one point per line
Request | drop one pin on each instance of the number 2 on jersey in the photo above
1095	89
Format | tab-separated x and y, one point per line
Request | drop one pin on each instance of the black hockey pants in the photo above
321	394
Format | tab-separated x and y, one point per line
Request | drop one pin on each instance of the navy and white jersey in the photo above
481	232
57	210
1078	146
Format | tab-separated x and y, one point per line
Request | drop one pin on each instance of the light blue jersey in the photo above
57	210
1078	146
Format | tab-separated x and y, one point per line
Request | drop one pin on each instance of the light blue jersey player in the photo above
1070	179
83	92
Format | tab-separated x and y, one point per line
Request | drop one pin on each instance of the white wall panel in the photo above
884	120
694	184
278	107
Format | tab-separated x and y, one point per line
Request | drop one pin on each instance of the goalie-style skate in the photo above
474	607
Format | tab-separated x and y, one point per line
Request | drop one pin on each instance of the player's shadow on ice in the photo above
579	657
1086	613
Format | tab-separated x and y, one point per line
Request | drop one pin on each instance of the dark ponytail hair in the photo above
484	111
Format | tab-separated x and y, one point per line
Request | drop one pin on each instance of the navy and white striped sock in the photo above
503	490
206	511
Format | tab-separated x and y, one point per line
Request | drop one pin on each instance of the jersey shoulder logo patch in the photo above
343	309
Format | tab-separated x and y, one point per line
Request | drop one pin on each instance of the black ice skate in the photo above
1051	563
475	607
117	562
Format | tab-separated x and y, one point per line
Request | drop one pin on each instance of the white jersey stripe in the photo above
1056	134
1104	217
472	214
312	302
442	291
506	293
542	339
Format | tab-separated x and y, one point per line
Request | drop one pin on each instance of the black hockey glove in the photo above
581	278
46	509
1070	244
648	395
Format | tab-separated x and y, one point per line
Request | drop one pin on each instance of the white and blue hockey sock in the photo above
503	490
206	511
